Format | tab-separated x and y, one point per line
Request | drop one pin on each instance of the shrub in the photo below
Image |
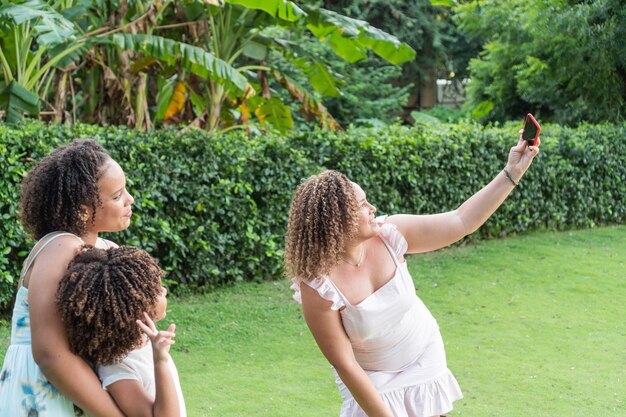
214	209
577	181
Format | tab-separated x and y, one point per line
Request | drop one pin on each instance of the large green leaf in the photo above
443	3
319	76
349	38
16	100
165	89
51	27
272	111
420	117
192	58
281	9
255	50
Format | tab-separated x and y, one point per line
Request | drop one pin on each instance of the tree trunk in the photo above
60	97
428	75
141	104
428	89
216	103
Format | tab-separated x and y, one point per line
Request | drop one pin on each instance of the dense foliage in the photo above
563	60
370	92
214	210
428	29
145	63
273	64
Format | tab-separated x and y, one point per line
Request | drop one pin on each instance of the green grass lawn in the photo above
534	326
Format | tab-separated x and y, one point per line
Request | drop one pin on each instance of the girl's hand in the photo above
160	340
520	157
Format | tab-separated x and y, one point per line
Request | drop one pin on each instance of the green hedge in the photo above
577	181
214	210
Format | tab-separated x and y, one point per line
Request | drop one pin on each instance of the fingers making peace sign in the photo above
161	340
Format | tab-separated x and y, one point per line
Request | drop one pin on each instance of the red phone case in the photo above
531	119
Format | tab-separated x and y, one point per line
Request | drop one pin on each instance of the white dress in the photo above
24	389
396	340
139	365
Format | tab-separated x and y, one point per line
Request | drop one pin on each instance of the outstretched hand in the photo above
161	340
521	156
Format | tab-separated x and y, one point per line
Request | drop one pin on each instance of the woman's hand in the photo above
520	157
161	340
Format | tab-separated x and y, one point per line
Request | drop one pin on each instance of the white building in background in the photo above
451	92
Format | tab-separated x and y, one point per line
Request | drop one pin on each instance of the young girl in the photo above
102	301
67	199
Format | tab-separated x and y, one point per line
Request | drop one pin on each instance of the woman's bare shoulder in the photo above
52	258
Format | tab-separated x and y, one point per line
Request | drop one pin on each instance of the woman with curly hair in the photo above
358	298
67	199
102	300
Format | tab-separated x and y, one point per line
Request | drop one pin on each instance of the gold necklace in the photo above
360	258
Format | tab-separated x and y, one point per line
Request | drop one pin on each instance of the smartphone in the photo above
531	130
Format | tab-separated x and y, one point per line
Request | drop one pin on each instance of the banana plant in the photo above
127	60
34	38
209	59
116	81
242	33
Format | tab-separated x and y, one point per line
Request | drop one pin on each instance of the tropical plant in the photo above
199	62
34	39
254	36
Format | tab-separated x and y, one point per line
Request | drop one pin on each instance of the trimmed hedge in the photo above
214	209
577	181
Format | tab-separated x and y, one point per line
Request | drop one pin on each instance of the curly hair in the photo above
323	217
102	295
54	190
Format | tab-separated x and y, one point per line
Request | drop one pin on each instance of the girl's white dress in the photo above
396	340
24	389
139	365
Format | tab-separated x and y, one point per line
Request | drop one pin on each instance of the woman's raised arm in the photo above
426	233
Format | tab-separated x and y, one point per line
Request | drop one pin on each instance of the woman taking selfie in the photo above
349	271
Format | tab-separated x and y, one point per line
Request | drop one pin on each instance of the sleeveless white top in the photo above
395	339
139	365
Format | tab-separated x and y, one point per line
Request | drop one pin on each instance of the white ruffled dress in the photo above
396	340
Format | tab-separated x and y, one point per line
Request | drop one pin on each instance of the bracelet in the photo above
509	177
